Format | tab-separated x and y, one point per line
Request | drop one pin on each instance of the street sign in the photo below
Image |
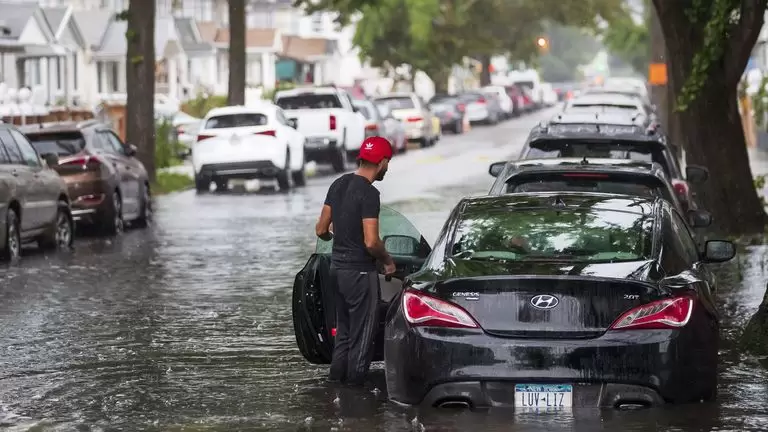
657	74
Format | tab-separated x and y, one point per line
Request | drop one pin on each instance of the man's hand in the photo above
389	268
323	226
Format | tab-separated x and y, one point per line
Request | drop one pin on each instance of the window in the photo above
14	154
395	103
114	145
682	232
29	154
280	117
367	113
317	22
62	143
4	159
100	76
115	76
100	143
75	78
309	101
236	120
553	234
674	258
557	182
57	69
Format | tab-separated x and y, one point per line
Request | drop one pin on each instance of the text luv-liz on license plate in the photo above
543	395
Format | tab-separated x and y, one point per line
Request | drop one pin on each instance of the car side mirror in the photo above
294	123
51	159
131	150
700	218
718	251
495	168
696	174
401	245
355	109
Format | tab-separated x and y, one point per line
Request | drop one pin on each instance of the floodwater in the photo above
187	325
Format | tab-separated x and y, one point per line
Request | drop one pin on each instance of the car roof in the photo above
603	99
478	206
63	126
262	107
598	118
395	95
298	91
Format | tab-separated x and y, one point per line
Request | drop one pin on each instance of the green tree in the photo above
569	48
630	42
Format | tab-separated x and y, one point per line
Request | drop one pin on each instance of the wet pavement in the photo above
187	325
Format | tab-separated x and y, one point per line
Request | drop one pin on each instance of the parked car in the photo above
616	176
186	130
416	117
608	103
108	185
244	143
518	101
505	101
34	203
548	95
509	283
615	136
481	108
334	130
380	122
450	110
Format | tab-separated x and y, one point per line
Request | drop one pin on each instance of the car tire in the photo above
202	184
284	176
62	233
458	127
299	178
338	160
113	222
424	142
145	214
11	250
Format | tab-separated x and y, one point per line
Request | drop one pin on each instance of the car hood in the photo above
454	269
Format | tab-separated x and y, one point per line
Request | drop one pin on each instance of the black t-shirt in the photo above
352	198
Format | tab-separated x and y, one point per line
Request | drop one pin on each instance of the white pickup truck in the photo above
326	116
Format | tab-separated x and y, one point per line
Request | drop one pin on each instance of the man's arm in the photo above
370	213
323	226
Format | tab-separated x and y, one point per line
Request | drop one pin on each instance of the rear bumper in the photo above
321	149
240	170
88	199
426	366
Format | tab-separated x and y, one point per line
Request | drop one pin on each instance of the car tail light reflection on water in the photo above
424	310
662	314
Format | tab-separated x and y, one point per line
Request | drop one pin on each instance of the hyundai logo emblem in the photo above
544	301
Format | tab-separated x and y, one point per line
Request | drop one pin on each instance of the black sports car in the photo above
540	300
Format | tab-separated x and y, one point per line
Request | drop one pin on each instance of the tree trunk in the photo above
485	74
755	336
237	56
710	125
140	82
440	77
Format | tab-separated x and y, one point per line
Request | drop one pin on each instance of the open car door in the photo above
314	312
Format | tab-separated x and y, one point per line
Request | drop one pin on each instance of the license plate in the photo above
546	396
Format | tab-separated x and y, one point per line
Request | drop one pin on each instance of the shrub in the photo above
200	105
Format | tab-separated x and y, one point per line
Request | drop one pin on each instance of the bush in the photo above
167	182
199	106
167	147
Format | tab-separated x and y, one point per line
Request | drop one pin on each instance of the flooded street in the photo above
187	325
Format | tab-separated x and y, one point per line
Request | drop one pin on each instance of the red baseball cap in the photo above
375	149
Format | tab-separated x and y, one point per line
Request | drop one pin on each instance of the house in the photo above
92	25
197	59
34	54
262	48
308	60
65	78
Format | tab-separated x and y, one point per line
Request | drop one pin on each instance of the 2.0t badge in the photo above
544	301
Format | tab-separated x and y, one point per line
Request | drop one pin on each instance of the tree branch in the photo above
742	39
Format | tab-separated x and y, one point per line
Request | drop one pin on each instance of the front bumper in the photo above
239	170
428	366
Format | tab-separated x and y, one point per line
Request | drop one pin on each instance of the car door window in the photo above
100	143
113	143
4	159
28	152
674	259
280	117
14	153
687	242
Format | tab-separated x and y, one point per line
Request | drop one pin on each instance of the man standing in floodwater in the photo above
352	209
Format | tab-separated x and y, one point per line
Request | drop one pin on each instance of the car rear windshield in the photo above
526	84
309	101
396	103
555	234
236	120
60	143
606	109
646	152
635	185
618	107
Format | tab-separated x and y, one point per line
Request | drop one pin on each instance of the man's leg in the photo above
363	301
339	363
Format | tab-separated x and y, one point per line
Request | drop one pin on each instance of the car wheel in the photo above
338	161
424	142
284	176
113	222
299	178
11	251
146	208
202	185
403	145
458	127
61	235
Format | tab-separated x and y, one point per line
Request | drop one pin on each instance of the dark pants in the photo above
357	299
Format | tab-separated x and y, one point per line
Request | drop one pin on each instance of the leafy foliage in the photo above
629	41
569	47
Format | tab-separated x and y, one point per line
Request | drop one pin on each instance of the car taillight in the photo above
413	119
661	314
85	162
372	127
203	137
180	130
332	122
424	310
681	188
586	175
461	107
481	101
269	132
